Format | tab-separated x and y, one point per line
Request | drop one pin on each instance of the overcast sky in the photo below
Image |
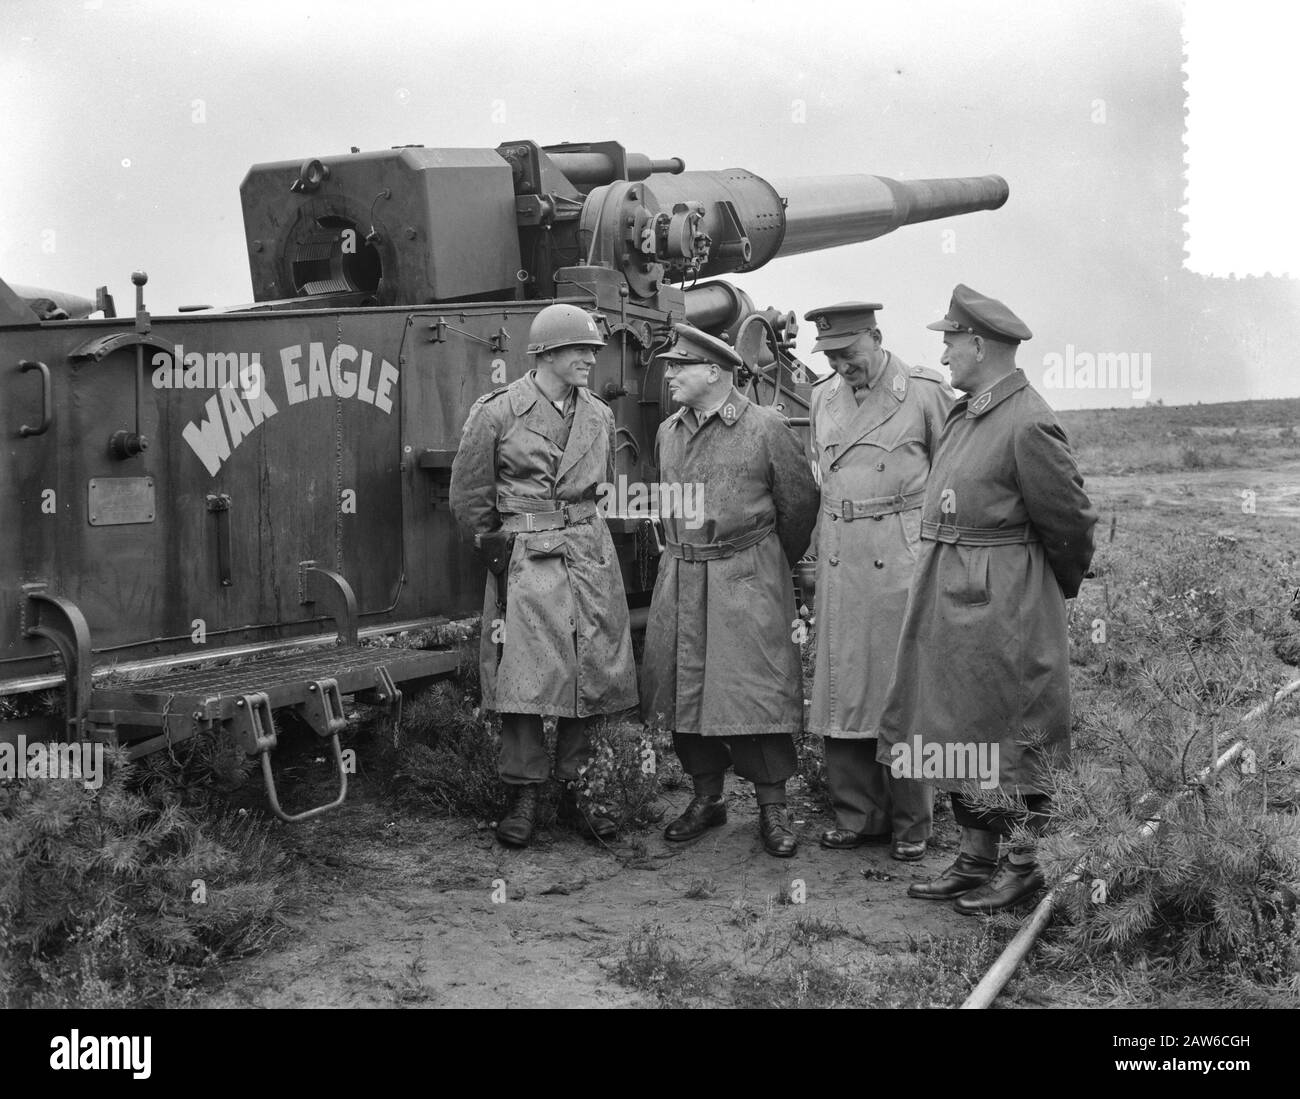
129	124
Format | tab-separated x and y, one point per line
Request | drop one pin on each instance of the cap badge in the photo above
980	403
823	323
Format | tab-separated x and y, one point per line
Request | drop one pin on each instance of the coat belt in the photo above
712	551
848	510
528	518
978	536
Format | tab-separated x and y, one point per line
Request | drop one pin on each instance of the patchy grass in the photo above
805	962
656	965
1191	437
125	897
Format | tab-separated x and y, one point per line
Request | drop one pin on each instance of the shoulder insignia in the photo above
495	393
926	373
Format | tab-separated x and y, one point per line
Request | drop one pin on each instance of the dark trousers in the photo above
1001	821
767	761
867	798
523	757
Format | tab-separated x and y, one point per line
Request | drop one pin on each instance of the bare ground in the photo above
410	912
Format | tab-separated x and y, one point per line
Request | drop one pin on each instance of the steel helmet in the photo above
562	326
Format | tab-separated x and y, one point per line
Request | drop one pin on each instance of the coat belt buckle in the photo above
846	510
947	532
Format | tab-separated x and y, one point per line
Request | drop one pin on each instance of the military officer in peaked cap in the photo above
873	430
556	637
983	667
721	666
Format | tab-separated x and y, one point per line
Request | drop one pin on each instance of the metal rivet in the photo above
879	563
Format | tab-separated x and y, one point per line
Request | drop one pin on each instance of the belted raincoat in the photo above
722	648
565	647
873	460
983	659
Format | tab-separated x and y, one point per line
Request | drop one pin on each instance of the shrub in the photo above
121	896
631	764
449	753
1209	893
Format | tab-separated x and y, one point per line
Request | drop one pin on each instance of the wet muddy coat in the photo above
720	659
567	649
864	566
984	656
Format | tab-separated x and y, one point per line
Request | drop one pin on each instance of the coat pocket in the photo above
966	576
549	544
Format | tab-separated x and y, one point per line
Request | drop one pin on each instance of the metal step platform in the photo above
236	698
239	700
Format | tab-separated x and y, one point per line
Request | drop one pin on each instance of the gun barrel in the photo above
827	211
753	221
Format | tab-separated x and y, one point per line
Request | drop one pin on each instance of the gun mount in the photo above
417	226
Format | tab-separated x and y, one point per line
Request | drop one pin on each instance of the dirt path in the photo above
403	912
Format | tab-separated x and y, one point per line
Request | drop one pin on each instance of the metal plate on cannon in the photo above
116	501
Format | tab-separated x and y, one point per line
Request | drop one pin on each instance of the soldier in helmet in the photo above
555	620
872	431
983	680
721	666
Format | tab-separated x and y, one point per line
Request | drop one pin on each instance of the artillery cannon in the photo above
236	482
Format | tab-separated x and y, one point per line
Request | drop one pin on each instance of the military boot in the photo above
592	824
967	873
774	827
516	827
704	812
1010	884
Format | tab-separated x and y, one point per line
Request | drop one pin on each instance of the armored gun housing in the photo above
240	482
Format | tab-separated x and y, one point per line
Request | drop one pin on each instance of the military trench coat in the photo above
721	656
875	454
567	649
984	654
